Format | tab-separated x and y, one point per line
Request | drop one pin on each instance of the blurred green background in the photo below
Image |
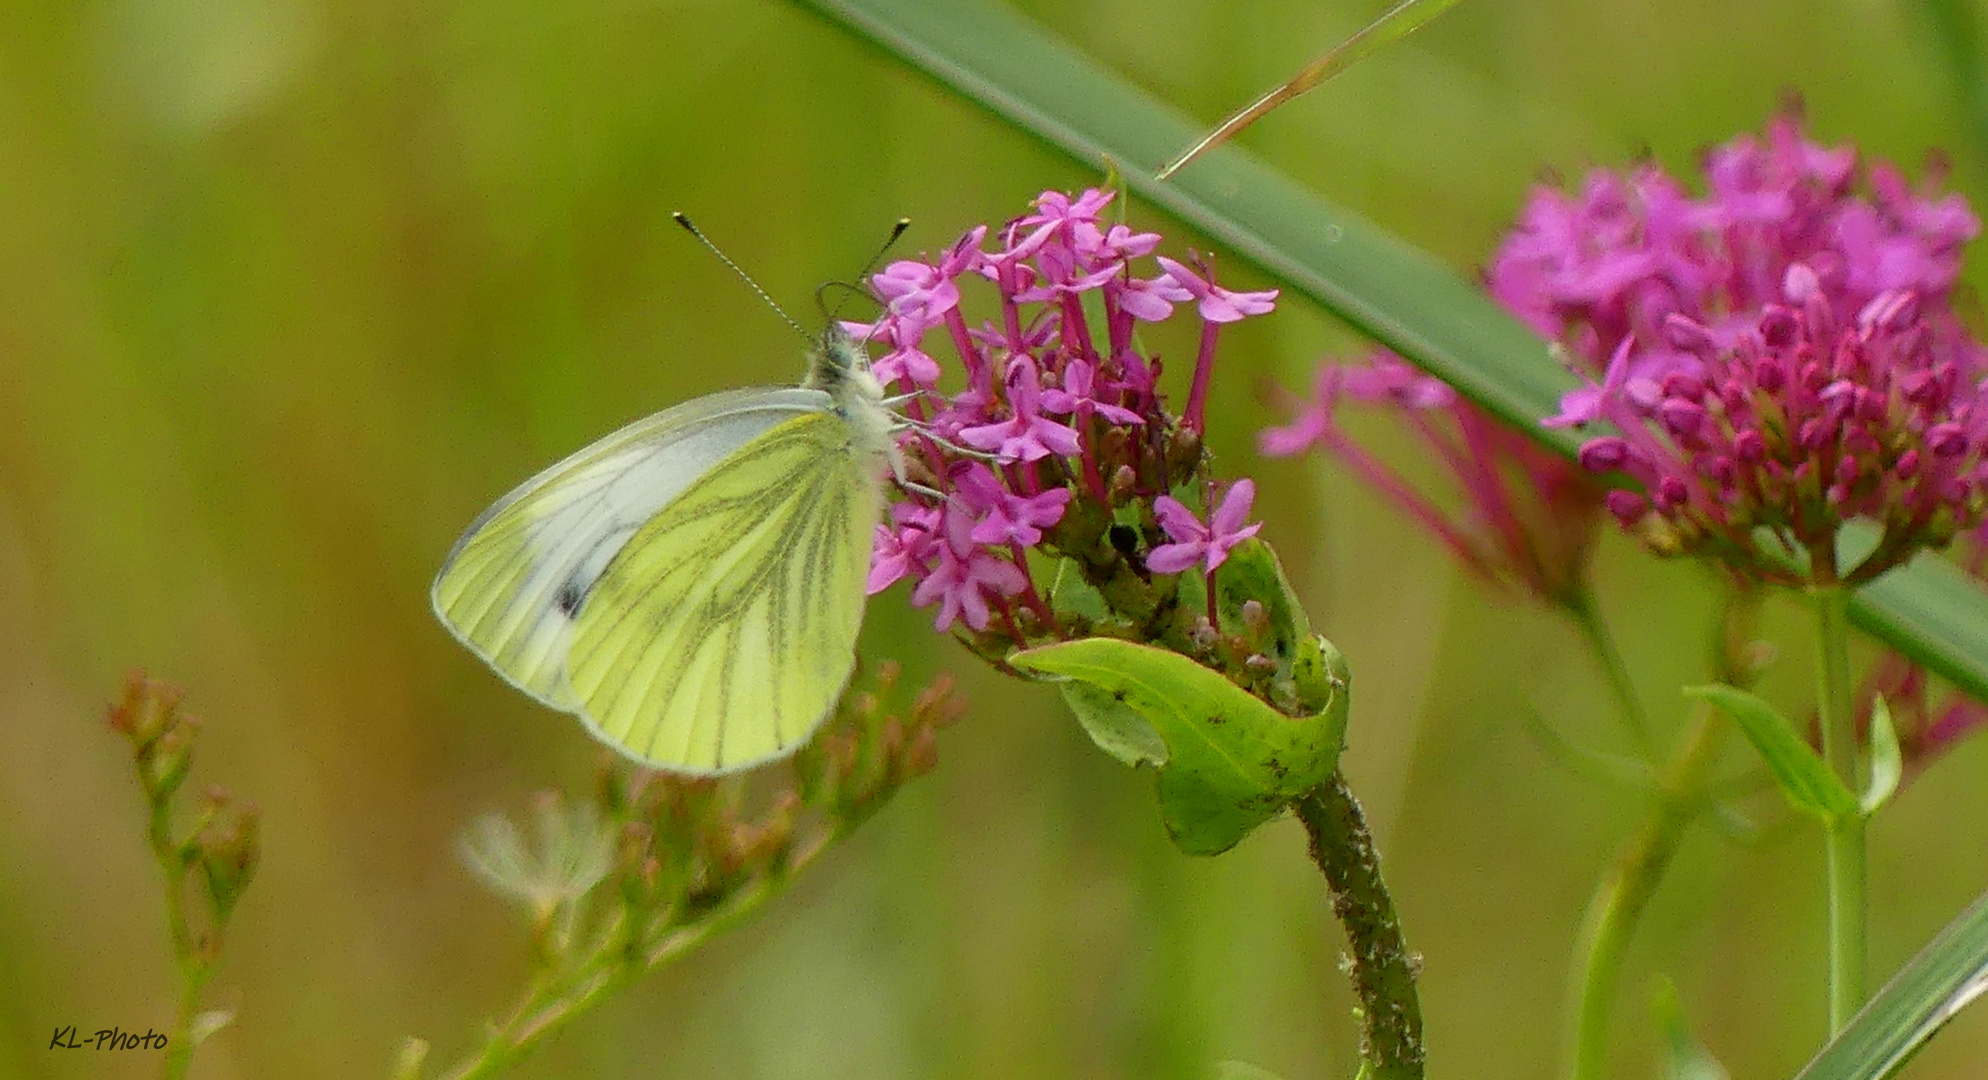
289	290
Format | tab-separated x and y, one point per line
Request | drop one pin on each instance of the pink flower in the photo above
1196	542
1077	397
1002	516
964	578
1528	516
905	362
1121	243
1026	435
917	289
1387	378
1312	424
904	548
1218	305
1805	423
1583	404
1153	301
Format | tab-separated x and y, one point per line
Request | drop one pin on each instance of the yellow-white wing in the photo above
723	633
511	588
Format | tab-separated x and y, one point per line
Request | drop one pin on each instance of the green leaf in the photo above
1070	594
1231	761
1685	1057
1115	727
1948	974
1298	684
1887	763
1252	572
1930	610
1801	773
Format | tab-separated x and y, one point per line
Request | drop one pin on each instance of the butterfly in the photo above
690	586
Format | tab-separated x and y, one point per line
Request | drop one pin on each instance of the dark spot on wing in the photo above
571	596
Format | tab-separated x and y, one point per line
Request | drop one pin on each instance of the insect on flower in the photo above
690	586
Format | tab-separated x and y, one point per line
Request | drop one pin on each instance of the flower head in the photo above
1778	357
1050	449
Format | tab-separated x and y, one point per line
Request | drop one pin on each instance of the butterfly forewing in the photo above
724	630
515	582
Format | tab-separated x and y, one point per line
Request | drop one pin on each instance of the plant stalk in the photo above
196	964
1846	867
1383	969
615	961
1620	900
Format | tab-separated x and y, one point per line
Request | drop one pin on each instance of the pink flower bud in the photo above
1604	454
1627	506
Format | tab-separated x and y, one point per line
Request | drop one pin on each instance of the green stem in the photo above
1587	615
195	967
551	1004
1846	865
1383	969
1619	902
194	974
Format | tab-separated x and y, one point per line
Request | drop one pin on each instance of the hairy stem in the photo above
1383	969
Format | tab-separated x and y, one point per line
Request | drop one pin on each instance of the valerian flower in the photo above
1778	357
1195	541
1050	460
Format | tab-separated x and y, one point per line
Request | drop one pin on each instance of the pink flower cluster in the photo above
1054	406
1778	356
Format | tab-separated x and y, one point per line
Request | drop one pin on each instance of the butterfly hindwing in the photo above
515	582
723	631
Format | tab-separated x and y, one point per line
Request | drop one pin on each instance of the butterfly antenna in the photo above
684	220
896	232
849	292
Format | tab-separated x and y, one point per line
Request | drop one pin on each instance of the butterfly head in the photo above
835	355
839	366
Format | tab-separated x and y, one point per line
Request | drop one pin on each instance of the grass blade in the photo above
1950	972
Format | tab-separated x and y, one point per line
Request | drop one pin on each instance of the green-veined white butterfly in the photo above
690	586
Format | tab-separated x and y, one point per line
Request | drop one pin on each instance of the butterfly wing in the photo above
511	588
724	631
